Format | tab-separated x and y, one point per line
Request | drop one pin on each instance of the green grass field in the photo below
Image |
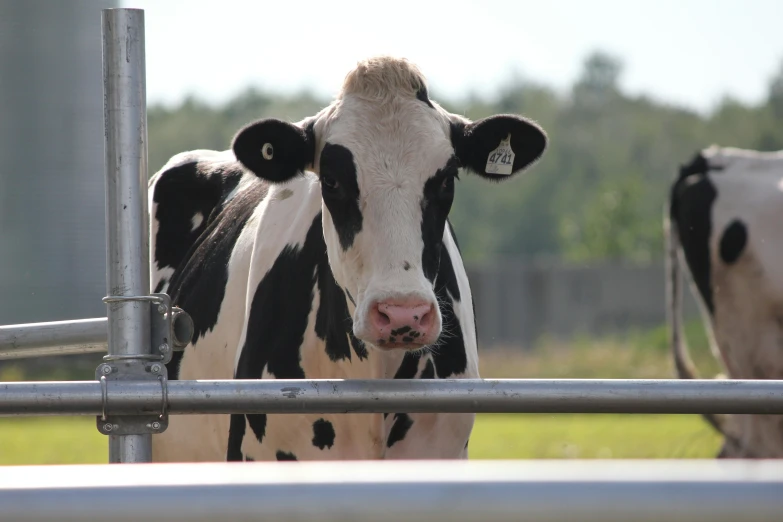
72	440
65	440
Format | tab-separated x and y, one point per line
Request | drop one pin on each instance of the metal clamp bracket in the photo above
171	328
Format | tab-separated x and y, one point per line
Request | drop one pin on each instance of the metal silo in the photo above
52	255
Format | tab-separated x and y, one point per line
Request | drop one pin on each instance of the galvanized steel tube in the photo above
53	338
414	491
389	395
127	226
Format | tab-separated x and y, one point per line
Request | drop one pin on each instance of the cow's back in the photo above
728	218
202	205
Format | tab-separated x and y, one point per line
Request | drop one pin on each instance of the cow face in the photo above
387	159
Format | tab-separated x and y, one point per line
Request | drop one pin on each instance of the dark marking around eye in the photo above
435	207
343	202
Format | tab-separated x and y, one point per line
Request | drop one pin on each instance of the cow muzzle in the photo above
407	323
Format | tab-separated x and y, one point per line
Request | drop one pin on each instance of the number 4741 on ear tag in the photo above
501	160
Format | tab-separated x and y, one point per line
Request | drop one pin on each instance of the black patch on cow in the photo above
280	311
409	366
429	371
733	241
284	455
691	198
472	300
198	286
236	432
160	286
435	206
340	192
422	95
474	142
181	192
402	423
333	322
293	149
323	434
449	353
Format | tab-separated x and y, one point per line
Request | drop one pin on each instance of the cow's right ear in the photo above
275	150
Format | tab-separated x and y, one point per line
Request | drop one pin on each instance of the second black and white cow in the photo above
724	216
322	250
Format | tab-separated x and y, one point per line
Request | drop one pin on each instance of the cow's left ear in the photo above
275	150
497	147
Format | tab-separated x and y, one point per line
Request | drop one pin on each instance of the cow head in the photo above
387	158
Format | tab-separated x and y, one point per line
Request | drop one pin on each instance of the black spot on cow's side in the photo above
733	242
450	357
690	208
323	434
236	433
160	285
429	371
402	423
333	323
279	311
181	192
435	206
340	192
284	455
199	285
422	95
257	423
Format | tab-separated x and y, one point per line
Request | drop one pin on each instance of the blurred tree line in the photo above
599	191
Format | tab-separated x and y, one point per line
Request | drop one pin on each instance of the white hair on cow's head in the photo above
380	77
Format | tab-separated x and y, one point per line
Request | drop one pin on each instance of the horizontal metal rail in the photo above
80	336
53	338
388	395
414	491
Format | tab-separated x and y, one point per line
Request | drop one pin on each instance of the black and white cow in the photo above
322	250
724	217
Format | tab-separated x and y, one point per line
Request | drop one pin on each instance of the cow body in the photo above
724	215
322	250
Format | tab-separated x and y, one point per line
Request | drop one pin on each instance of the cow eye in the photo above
329	182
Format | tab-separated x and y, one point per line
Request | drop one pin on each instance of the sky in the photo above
689	53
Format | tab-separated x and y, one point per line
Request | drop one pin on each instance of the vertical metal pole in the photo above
127	223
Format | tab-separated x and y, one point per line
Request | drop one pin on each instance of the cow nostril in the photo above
381	319
426	319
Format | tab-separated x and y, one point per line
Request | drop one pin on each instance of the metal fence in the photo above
132	399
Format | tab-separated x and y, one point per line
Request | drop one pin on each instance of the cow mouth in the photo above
388	344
